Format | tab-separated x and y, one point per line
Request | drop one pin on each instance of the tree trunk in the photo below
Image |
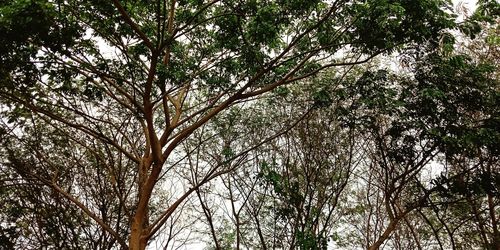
137	241
138	230
390	228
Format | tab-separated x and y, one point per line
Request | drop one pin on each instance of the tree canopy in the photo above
268	124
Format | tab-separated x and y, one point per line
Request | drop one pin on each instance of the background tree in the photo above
444	111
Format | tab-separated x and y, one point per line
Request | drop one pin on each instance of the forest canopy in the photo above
249	124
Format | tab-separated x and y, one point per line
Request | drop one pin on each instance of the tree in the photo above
124	84
445	111
285	193
467	137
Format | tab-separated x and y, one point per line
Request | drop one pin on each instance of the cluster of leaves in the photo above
288	190
27	26
386	24
459	101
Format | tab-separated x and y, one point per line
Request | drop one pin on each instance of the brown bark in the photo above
137	240
387	232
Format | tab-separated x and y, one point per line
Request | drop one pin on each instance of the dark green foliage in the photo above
452	101
249	29
26	26
458	100
284	188
321	98
487	11
309	241
386	24
290	208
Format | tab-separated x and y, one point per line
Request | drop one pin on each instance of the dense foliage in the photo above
248	124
